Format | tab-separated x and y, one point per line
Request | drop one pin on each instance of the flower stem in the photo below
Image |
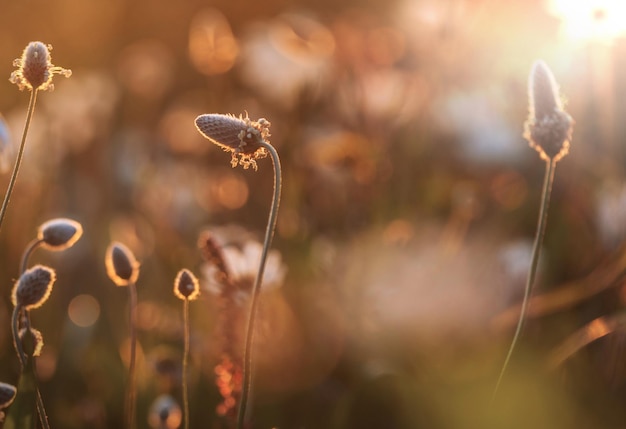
27	252
15	325
17	313
20	153
541	228
130	390
269	234
185	359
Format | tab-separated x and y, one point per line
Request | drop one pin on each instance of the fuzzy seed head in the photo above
121	265
186	285
7	394
35	68
33	287
548	128
32	341
239	135
59	234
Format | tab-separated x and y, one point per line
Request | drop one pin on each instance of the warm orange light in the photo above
600	20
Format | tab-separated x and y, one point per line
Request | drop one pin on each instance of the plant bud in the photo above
186	285
35	68
7	394
33	287
121	265
59	234
240	136
548	128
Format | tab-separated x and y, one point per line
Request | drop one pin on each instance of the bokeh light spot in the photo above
84	310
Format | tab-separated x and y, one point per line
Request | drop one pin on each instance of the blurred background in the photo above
409	206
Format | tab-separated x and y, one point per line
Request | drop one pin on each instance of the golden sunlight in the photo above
600	20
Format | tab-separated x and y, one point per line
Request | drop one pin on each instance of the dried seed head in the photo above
35	68
212	253
32	341
33	287
186	285
7	394
59	234
238	135
548	128
122	267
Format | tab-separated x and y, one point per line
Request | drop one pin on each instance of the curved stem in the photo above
30	248
269	234
185	359
20	153
130	392
15	326
541	228
41	410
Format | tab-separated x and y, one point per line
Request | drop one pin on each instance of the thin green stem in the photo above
15	326
131	389
18	311
41	410
20	153
185	360
27	252
541	228
269	234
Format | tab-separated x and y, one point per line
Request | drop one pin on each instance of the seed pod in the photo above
548	128
238	135
59	234
35	68
33	287
186	285
121	265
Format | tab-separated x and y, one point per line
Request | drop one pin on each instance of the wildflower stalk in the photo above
548	130
19	312
187	288
185	362
20	153
30	248
536	252
269	234
131	389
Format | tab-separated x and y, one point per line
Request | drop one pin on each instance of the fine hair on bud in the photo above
186	286
241	136
32	341
59	234
121	265
35	68
7	394
33	287
548	128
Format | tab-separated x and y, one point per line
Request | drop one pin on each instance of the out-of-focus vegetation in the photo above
409	206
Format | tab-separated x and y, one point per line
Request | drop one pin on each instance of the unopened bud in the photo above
59	234
33	287
186	285
238	135
121	265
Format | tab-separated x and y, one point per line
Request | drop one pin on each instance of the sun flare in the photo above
600	20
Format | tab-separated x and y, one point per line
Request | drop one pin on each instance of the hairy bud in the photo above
35	68
548	128
33	287
186	285
121	265
238	135
59	234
